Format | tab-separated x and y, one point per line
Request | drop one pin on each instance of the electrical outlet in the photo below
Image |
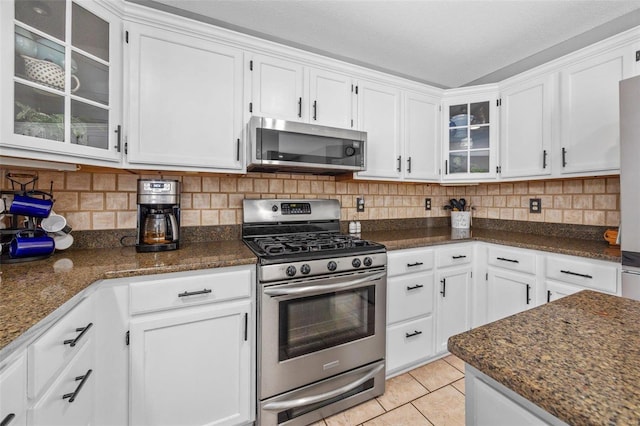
360	204
427	203
535	205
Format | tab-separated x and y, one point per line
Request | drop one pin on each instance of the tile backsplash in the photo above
107	200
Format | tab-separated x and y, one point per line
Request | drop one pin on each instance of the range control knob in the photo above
332	266
356	263
291	271
305	269
368	261
274	208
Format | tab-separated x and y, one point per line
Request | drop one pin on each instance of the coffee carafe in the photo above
158	215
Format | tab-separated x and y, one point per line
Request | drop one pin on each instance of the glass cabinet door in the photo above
62	76
469	144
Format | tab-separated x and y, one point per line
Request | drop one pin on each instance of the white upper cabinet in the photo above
420	131
379	116
590	114
527	111
331	99
469	136
277	89
60	81
185	96
288	90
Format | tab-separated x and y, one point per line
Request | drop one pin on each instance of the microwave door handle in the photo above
279	291
308	400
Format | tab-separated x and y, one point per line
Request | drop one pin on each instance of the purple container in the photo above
31	244
29	206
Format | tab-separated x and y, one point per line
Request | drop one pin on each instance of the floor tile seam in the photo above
421	413
419	382
444	386
451	364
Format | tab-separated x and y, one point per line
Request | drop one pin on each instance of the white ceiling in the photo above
446	43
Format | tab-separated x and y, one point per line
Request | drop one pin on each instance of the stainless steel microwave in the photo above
288	146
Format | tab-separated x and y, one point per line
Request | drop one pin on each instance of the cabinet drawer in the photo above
409	342
186	289
457	254
409	296
13	393
70	400
589	274
412	260
515	260
48	354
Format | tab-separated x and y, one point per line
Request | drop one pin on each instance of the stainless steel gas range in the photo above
321	311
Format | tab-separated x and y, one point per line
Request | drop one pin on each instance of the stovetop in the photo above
282	248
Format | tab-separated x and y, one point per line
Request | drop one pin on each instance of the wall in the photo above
93	201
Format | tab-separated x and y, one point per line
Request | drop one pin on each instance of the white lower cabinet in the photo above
508	293
453	303
557	290
193	365
488	403
70	400
410	309
13	392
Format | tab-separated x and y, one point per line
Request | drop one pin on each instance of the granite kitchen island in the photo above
576	360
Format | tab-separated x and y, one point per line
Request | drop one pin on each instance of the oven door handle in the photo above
279	291
308	400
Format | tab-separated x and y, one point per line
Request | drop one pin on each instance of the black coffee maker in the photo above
158	215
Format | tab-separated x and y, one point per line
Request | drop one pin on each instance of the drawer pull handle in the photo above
415	333
462	256
508	260
82	331
72	396
411	265
576	274
194	293
528	294
7	419
548	296
413	287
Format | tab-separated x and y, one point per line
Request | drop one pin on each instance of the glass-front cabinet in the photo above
61	88
469	138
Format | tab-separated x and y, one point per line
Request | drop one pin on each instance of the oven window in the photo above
314	323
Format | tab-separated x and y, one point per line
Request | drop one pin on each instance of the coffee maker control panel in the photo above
156	187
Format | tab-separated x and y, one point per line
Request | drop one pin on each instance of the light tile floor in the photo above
429	395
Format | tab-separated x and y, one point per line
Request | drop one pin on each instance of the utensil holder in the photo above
461	220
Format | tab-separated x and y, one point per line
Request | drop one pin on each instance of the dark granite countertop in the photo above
31	291
421	237
578	358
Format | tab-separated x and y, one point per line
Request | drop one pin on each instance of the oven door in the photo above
316	328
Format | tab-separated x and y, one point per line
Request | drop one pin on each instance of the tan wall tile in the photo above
493	213
219	201
594	186
493	189
66	201
127	183
499	201
613	218
363	188
572	186
103	220
562	202
572	216
245	184
276	186
341	187
520	214
186	201
78	181
521	188
583	202
261	186
290	186
329	187
506	188
80	221
191	184
227	217
104	182
210	217
613	185
536	187
126	220
235	200
211	184
92	201
506	213
203	200
513	201
46	178
317	187
304	187
117	201
605	202
554	216
595	217
552	187
189	217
